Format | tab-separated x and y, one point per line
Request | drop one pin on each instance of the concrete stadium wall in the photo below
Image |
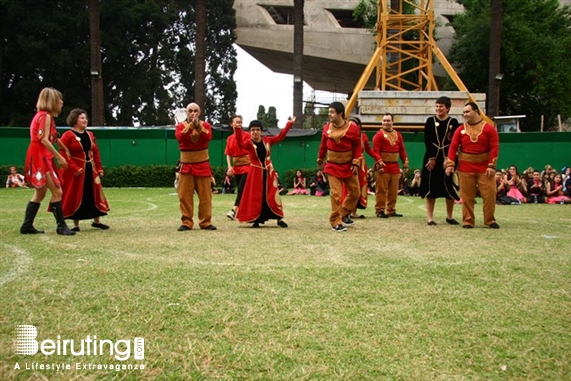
143	147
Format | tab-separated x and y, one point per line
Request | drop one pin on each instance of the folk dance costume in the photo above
480	149
389	146
194	173
362	176
39	160
261	200
240	167
437	137
83	196
341	147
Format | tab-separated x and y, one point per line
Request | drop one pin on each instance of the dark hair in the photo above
473	106
338	107
234	117
356	120
391	115
444	101
255	123
74	115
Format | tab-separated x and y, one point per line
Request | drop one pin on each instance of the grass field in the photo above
389	299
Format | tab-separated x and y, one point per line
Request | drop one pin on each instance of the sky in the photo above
257	85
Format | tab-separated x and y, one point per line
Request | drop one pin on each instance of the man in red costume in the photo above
388	144
480	145
341	146
238	163
195	174
261	201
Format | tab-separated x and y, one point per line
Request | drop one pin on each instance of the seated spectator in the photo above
536	189
318	185
566	181
502	197
213	186
281	190
15	180
228	185
414	185
299	186
554	191
371	181
402	184
516	187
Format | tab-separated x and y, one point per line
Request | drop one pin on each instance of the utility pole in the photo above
298	62
97	110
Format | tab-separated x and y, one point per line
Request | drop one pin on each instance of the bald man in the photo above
194	170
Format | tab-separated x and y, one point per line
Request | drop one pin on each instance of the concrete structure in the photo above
336	48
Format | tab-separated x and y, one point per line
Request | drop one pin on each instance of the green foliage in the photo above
535	57
147	53
269	119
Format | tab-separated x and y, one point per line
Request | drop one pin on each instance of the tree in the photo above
148	56
200	62
269	119
535	56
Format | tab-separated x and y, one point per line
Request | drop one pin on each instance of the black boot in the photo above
28	225
62	228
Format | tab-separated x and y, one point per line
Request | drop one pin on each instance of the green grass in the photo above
388	300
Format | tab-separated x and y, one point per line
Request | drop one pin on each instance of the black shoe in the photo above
494	225
382	215
282	224
467	227
75	229
452	221
256	225
395	215
209	227
30	229
432	223
347	221
183	228
99	226
64	230
339	228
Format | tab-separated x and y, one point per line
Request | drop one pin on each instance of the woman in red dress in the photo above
40	172
83	196
261	200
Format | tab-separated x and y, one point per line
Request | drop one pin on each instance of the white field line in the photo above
22	262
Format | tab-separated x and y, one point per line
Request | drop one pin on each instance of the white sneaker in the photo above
339	228
231	214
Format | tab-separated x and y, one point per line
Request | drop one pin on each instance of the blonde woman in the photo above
40	171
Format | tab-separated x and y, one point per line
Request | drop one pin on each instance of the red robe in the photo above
363	183
383	144
251	203
349	142
234	151
487	141
194	140
73	180
39	160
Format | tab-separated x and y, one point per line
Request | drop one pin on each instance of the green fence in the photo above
149	146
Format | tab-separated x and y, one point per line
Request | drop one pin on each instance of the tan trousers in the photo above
486	186
386	191
338	210
187	184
